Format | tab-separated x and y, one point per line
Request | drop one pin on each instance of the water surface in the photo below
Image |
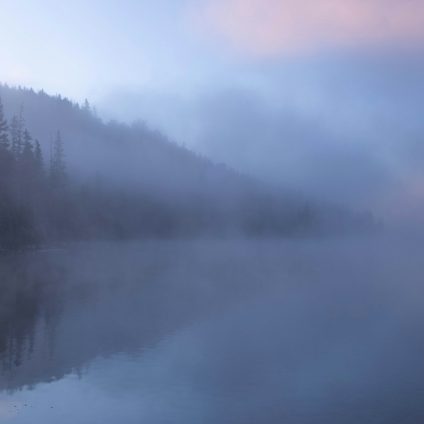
213	332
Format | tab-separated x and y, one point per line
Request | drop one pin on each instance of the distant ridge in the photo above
128	181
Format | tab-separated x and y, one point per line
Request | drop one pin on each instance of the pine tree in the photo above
4	128
38	157
26	174
17	134
86	107
57	163
6	158
27	154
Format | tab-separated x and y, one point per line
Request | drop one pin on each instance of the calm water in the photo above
213	332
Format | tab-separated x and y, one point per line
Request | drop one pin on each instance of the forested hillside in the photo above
66	175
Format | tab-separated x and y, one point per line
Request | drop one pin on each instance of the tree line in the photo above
127	182
41	203
27	184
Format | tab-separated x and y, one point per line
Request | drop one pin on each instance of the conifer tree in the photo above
57	162
6	159
17	134
38	157
4	128
86	107
27	153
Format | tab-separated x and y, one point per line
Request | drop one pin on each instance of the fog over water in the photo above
233	331
211	212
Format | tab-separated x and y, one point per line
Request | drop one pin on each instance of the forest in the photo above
89	180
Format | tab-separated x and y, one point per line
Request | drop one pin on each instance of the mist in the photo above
344	128
220	331
211	212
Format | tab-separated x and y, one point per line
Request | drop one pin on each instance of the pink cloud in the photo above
284	26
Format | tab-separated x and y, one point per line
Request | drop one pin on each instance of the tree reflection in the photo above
30	300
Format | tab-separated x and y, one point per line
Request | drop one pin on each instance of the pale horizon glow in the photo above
272	27
82	49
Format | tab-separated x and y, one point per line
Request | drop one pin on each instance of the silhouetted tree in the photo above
86	107
4	128
27	165
38	158
6	159
17	133
57	163
27	148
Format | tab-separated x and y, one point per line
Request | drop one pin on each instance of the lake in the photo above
189	332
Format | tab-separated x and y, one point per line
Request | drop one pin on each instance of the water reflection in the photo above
29	306
62	308
212	332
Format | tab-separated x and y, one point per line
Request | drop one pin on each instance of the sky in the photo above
324	96
85	48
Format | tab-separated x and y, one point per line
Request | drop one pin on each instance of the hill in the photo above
67	175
